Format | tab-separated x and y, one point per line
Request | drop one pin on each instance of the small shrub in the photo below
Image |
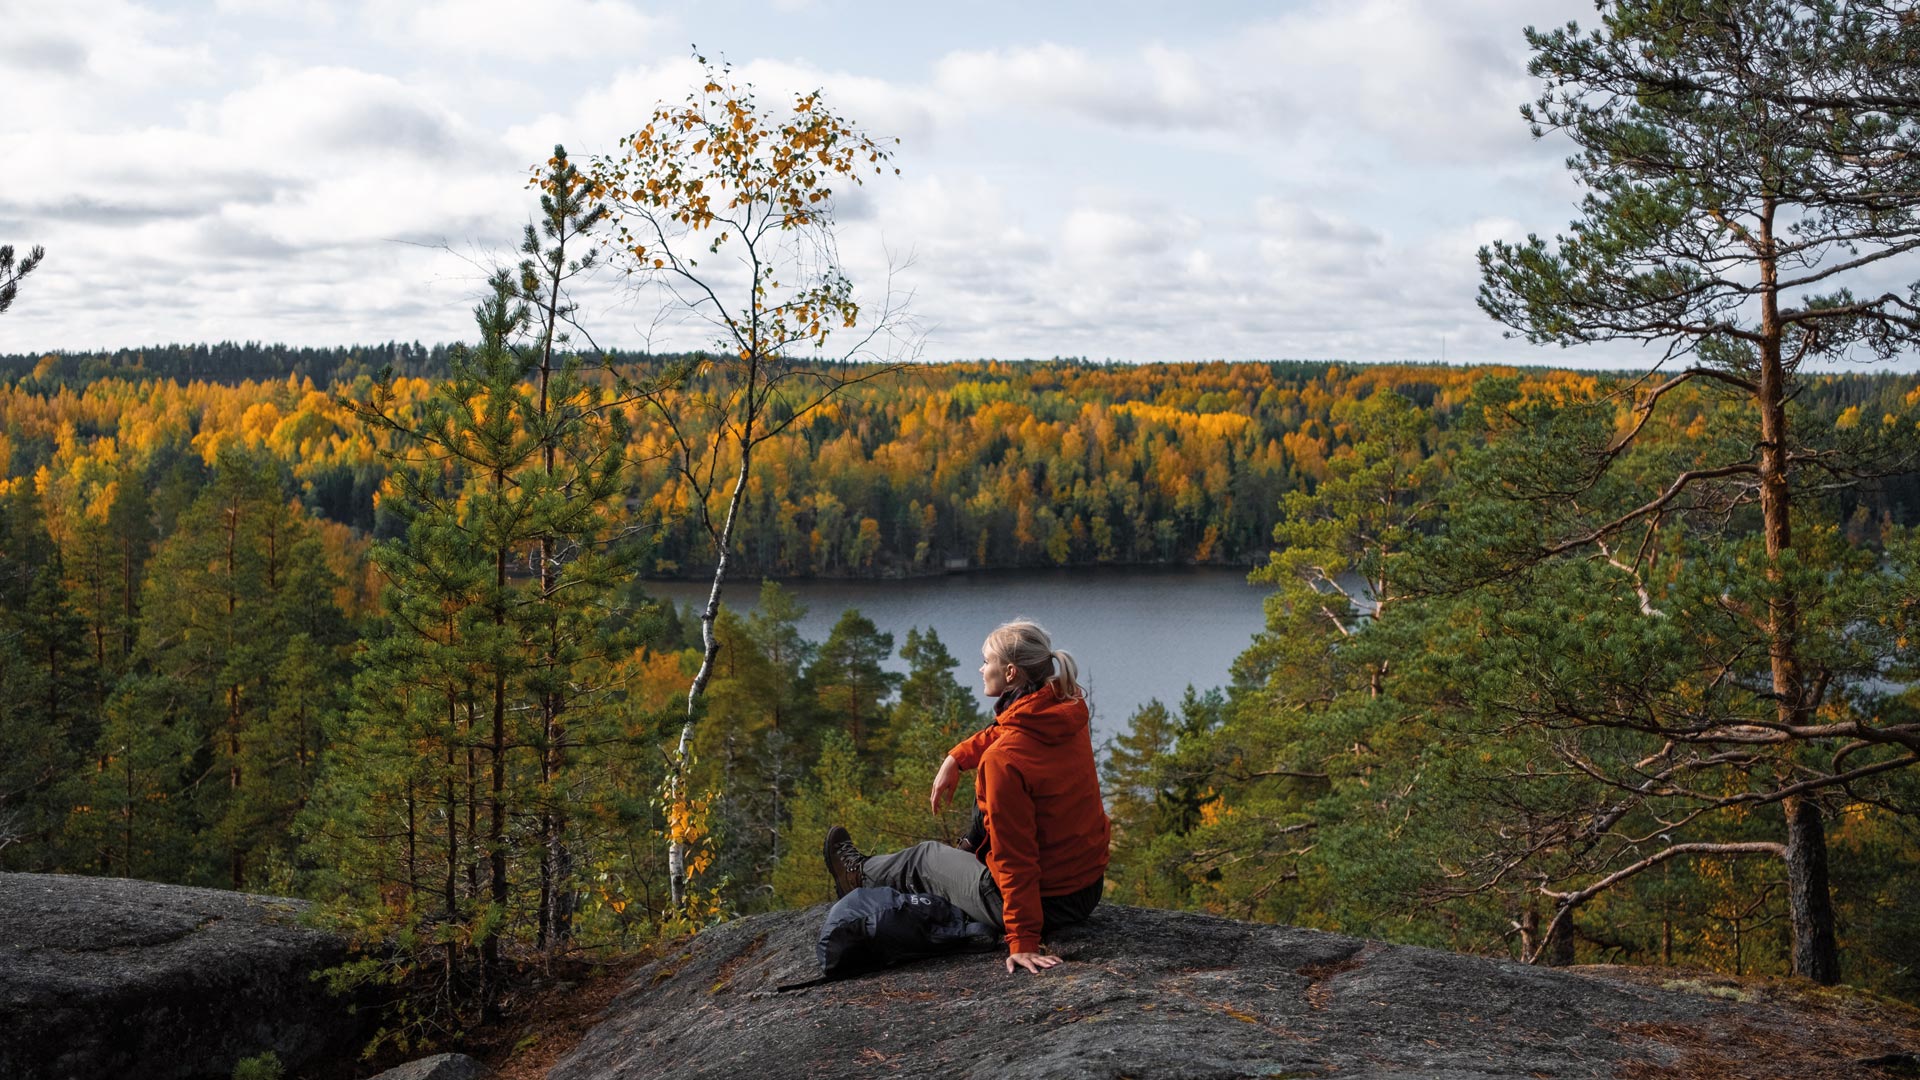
259	1067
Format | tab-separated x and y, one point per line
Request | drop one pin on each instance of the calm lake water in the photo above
1138	634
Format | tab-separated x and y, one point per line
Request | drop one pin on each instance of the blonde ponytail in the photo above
1066	676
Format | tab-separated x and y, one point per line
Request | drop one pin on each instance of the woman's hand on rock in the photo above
1032	961
945	783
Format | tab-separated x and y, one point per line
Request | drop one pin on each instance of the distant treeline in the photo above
234	362
227	362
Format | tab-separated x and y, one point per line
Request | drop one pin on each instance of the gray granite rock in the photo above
437	1067
1144	993
106	977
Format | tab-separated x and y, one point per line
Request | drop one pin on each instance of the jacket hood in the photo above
1047	717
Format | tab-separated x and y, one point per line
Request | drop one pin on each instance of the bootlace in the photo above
849	856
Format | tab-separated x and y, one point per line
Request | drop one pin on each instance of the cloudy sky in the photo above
1113	180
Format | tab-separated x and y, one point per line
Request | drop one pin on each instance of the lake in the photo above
1137	633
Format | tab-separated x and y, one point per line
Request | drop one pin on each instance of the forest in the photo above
1000	464
205	651
1567	666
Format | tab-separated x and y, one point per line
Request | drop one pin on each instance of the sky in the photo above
1115	180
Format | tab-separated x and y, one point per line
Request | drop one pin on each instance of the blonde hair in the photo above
1026	645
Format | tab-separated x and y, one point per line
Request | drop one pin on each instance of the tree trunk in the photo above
560	860
1560	942
53	678
497	823
473	797
1815	955
450	894
99	617
676	780
237	861
555	917
126	596
413	861
544	912
1556	950
126	817
450	891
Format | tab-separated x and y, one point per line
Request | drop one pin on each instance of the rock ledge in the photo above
112	977
1148	993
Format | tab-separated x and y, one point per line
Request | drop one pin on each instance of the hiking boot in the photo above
843	861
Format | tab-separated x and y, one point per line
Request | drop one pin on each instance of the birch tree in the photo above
723	208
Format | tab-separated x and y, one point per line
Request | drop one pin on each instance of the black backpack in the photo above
873	927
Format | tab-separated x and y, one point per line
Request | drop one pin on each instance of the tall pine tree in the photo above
1749	165
493	688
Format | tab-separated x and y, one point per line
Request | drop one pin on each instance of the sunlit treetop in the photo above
721	171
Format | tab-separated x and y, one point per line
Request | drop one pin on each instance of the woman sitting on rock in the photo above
1043	858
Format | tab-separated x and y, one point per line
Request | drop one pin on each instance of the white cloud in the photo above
330	115
115	179
310	12
44	53
1135	281
1096	235
1431	85
1154	88
1304	239
327	112
549	30
296	206
75	63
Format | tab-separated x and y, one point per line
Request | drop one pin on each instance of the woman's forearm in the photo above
945	782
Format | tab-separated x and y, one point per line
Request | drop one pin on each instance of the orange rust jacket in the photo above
1047	830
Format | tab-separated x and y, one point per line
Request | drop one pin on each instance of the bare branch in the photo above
1679	485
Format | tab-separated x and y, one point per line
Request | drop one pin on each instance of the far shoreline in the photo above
970	571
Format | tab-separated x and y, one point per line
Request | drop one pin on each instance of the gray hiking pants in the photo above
943	870
937	868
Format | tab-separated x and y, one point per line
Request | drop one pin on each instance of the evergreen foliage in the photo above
13	271
492	705
849	683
